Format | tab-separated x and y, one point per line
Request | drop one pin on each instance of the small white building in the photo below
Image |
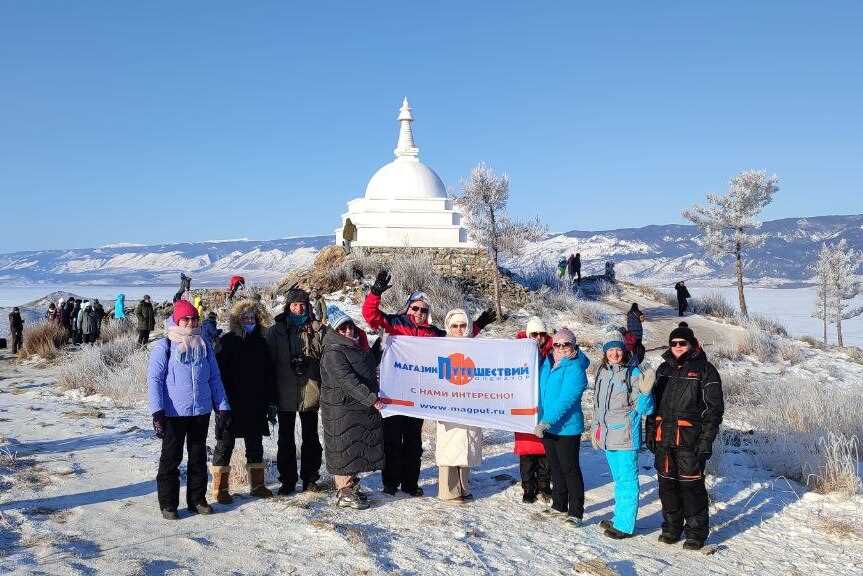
405	203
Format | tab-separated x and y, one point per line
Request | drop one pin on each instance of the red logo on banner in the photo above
458	368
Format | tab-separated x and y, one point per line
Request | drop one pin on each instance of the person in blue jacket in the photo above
561	422
120	306
622	396
184	386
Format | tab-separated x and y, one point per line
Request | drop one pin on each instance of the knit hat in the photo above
535	324
296	295
336	317
456	315
418	295
564	335
612	339
683	332
183	308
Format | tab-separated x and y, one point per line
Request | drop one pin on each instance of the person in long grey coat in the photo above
353	432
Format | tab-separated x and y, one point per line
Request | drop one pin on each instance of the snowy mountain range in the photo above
653	254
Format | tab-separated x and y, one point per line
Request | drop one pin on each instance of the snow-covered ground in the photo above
77	496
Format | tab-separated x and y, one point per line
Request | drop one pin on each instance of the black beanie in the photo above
683	332
296	295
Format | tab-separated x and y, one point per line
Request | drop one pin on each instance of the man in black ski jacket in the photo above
689	409
16	329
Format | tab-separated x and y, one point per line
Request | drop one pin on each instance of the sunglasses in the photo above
679	343
458	325
535	334
419	310
562	344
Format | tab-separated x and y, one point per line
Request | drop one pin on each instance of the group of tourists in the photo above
256	375
569	267
81	319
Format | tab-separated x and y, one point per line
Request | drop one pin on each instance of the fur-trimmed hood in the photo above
262	316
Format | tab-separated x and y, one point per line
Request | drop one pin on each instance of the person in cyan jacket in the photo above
120	306
350	409
621	397
561	423
689	409
184	386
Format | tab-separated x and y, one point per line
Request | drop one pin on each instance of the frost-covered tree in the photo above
823	290
844	285
729	223
484	200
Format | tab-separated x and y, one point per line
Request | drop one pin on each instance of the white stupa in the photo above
405	203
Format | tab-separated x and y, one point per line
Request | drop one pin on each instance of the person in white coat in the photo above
458	447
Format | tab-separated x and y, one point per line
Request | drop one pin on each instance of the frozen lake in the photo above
791	306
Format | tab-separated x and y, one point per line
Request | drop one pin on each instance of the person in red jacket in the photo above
235	284
403	434
533	463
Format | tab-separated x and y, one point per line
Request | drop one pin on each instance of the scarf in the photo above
189	343
298	320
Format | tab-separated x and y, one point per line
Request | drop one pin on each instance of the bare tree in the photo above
728	223
484	202
844	285
823	287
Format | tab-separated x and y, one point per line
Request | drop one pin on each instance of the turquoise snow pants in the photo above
624	471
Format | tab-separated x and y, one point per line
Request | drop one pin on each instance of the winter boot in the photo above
528	497
616	534
221	480
605	524
168	514
257	486
693	544
201	508
667	538
346	498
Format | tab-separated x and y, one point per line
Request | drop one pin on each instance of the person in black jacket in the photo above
249	381
146	317
16	329
682	295
689	409
353	433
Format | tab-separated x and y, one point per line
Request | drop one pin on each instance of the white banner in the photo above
485	382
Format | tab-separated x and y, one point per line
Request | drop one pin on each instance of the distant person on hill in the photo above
533	463
52	315
689	409
185	285
98	314
120	306
76	326
682	296
16	329
184	386
349	234
235	283
635	332
199	306
248	379
210	330
561	268
85	322
146	317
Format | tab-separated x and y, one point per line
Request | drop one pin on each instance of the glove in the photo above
159	423
539	430
382	283
272	414
486	318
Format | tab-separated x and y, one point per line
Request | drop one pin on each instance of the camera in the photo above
298	365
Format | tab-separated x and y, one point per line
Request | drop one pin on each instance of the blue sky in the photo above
159	121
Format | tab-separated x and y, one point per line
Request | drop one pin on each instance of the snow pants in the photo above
682	493
567	483
403	450
535	475
624	471
191	431
225	448
310	449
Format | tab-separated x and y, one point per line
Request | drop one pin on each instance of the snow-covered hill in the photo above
652	254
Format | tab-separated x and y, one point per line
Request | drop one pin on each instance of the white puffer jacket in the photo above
458	445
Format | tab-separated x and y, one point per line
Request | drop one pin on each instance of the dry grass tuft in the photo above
43	340
116	369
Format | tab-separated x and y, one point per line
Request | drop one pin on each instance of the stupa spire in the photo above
406	147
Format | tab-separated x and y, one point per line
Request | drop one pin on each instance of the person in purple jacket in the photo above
184	387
